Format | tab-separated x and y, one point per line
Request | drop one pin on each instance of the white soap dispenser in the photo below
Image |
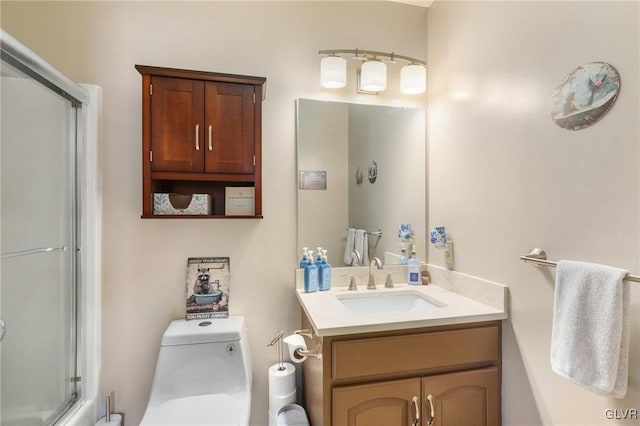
413	269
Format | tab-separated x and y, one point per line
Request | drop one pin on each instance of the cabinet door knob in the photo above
432	414
415	403
197	137
210	138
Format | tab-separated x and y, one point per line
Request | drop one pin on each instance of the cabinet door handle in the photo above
432	414
415	403
197	137
210	138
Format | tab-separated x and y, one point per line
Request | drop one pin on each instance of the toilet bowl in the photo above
203	375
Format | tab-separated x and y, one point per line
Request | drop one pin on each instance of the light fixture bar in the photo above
373	54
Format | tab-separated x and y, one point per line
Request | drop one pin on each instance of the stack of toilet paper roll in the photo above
282	388
282	378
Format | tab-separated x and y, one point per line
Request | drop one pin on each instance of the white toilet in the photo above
203	375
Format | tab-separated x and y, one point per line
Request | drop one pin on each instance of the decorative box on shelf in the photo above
239	201
182	204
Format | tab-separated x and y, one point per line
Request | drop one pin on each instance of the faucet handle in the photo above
352	283
389	282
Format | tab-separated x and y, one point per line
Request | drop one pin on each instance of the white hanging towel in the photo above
362	245
349	246
590	334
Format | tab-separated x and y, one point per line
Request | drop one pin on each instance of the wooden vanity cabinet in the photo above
201	133
387	378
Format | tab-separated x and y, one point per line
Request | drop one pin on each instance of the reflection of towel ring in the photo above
373	171
359	176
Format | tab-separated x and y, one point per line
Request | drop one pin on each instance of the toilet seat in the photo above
198	411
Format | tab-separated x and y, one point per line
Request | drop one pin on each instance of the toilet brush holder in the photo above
110	419
114	420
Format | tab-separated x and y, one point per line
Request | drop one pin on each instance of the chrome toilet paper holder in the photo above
306	332
317	352
301	353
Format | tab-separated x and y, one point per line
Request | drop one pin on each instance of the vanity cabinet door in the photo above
469	398
392	403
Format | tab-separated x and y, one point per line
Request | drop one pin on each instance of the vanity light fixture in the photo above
372	76
333	72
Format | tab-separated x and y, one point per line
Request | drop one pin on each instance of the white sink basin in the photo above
387	302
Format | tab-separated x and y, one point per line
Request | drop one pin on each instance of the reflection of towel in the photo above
361	244
351	236
590	335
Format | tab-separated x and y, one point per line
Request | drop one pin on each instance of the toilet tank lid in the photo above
182	332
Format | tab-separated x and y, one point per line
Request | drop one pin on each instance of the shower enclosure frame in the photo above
85	229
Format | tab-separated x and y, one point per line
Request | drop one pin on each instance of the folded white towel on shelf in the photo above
349	246
361	244
590	333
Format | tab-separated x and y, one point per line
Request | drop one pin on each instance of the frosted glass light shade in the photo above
413	79
373	76
333	72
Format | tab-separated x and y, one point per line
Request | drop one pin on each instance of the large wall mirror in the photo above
360	166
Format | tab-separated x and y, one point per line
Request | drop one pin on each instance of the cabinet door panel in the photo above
385	403
230	129
470	398
177	125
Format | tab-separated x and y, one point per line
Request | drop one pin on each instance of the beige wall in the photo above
504	178
144	260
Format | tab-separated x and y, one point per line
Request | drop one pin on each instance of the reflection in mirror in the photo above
337	144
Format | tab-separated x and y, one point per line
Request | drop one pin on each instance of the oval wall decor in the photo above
585	95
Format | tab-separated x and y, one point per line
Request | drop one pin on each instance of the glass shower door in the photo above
38	365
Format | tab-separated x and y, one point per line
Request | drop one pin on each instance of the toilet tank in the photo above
203	357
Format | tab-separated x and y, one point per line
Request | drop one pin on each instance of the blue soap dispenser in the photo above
305	260
319	258
311	277
325	273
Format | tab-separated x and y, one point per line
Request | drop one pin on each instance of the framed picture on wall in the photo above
207	287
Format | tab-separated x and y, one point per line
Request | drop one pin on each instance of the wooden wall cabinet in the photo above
440	376
201	133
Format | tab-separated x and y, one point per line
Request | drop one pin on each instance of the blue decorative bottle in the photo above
311	276
325	273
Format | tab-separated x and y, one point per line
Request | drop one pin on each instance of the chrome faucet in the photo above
357	257
372	282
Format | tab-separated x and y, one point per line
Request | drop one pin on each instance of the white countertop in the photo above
330	317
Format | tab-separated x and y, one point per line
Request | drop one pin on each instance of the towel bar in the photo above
539	258
377	233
